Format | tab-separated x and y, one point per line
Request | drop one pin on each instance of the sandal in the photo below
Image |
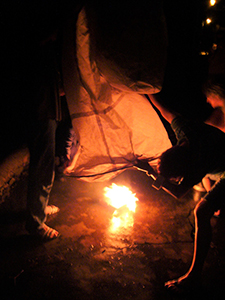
51	210
46	233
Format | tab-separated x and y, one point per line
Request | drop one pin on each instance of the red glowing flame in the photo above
124	202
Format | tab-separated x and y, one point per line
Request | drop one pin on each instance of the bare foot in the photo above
51	210
46	233
183	284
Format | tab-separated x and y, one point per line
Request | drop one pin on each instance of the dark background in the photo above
24	24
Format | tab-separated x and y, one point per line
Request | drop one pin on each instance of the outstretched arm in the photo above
168	114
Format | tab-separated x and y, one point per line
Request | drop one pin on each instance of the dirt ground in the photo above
92	259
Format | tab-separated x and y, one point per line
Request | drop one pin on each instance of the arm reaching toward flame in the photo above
167	113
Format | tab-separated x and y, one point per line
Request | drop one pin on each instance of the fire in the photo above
124	202
119	196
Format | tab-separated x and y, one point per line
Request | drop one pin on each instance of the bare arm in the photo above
168	114
217	119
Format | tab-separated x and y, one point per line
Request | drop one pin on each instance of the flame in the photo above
212	2
124	202
119	196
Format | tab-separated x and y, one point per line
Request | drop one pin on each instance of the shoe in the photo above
51	210
44	233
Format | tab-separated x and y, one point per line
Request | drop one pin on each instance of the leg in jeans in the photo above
41	173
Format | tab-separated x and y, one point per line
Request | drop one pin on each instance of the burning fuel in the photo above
124	202
119	196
